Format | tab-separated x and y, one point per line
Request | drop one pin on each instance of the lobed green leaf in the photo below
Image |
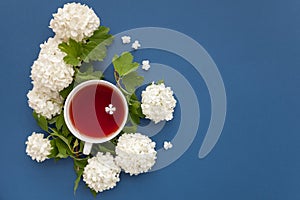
73	50
89	74
93	49
124	64
96	46
130	129
131	81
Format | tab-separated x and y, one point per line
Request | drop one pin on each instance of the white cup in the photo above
90	140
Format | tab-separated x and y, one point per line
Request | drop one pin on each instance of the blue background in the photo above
256	46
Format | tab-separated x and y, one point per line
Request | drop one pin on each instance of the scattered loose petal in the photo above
110	109
136	45
135	153
167	145
146	65
126	39
101	173
38	147
158	102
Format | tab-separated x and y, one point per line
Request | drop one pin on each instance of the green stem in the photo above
55	133
76	153
118	80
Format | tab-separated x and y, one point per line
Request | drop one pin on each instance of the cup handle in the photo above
87	148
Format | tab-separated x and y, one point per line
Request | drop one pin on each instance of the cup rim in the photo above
69	124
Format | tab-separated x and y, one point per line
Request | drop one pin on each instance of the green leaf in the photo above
135	110
63	139
93	49
79	167
65	131
94	193
114	141
124	64
131	81
52	120
62	148
61	126
89	74
132	99
101	35
160	81
76	143
127	77
41	121
54	150
70	139
60	121
96	46
80	164
130	129
104	147
66	91
73	50
81	146
134	118
77	180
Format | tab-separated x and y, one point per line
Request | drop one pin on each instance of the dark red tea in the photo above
91	113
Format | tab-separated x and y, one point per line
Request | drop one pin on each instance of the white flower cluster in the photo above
158	102
101	173
50	74
38	147
135	153
74	21
45	102
50	70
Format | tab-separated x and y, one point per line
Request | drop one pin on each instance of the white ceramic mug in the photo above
90	140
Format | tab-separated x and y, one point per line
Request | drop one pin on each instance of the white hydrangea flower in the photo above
49	69
167	145
101	173
126	39
135	153
158	102
38	147
44	101
146	65
136	45
74	21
